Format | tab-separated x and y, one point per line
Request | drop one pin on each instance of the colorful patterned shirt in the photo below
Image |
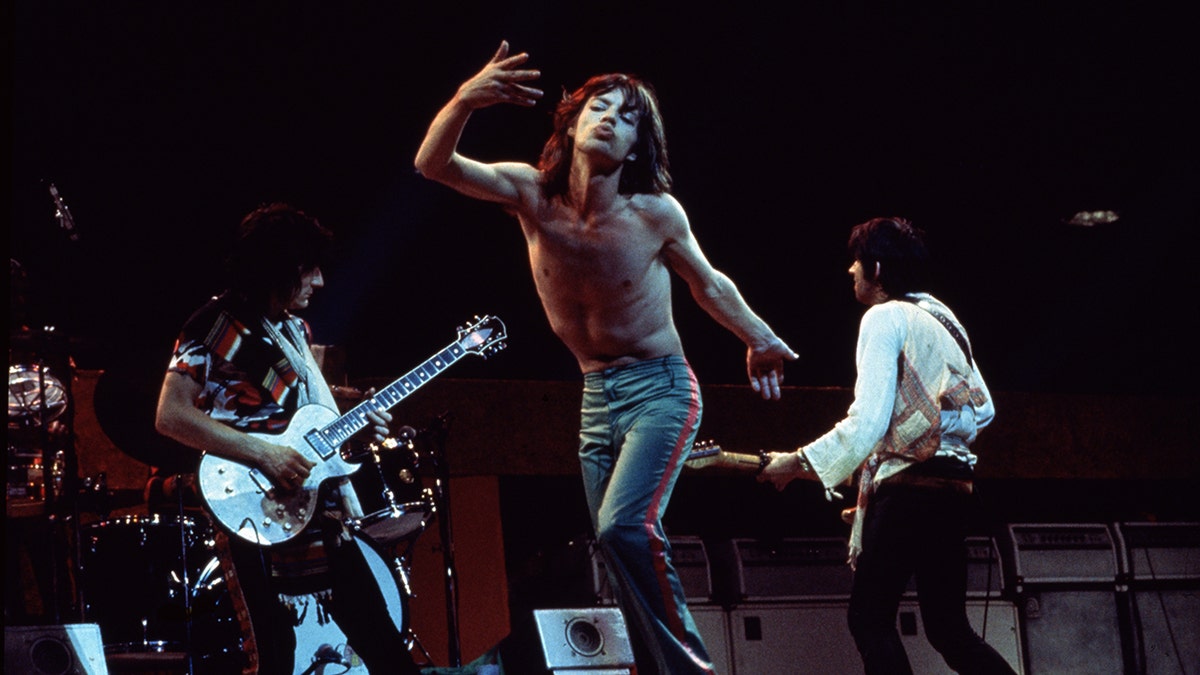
248	382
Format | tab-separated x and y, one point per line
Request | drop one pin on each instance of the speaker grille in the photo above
1063	553
72	649
586	638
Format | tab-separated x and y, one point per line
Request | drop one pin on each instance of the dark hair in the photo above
900	250
276	245
649	172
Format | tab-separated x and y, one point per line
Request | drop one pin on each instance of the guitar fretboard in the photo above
342	429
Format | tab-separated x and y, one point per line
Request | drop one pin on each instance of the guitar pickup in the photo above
259	480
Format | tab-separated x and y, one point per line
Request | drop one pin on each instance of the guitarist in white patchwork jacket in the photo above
241	368
919	403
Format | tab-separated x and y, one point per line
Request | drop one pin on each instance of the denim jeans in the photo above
637	426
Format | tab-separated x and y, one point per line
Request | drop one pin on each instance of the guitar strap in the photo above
238	600
945	321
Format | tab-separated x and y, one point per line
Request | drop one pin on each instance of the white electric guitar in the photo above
247	504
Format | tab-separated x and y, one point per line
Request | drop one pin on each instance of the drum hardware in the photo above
35	396
438	431
395	506
327	655
27	476
94	495
403	521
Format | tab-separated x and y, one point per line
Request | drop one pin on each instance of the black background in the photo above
987	123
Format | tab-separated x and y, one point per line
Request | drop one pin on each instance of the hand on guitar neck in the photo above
784	467
778	468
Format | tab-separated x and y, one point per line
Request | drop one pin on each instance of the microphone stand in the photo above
58	492
50	496
441	497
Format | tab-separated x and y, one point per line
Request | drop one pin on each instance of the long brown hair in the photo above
649	172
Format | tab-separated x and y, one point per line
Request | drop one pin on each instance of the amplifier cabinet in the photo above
792	569
1163	571
690	559
1072	631
996	621
1066	582
1160	551
712	623
1063	554
813	638
792	639
1167	629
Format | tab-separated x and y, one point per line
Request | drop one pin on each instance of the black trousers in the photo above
916	531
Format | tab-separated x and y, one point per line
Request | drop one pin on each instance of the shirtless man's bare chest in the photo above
603	281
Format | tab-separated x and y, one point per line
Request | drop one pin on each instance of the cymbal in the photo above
35	396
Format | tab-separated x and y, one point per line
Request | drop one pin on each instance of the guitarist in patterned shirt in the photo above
241	368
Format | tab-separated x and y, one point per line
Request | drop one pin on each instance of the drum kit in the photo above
153	581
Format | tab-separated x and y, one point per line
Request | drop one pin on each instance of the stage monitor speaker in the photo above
71	649
792	569
584	639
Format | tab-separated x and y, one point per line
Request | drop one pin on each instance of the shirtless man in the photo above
604	234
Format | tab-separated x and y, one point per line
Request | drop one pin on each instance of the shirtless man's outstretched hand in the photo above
500	82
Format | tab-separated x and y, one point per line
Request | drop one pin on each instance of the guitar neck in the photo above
343	428
712	458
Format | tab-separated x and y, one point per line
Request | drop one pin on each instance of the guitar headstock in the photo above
484	337
710	456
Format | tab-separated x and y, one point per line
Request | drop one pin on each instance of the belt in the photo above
960	485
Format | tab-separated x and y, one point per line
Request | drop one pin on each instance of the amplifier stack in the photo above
1162	568
1055	598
